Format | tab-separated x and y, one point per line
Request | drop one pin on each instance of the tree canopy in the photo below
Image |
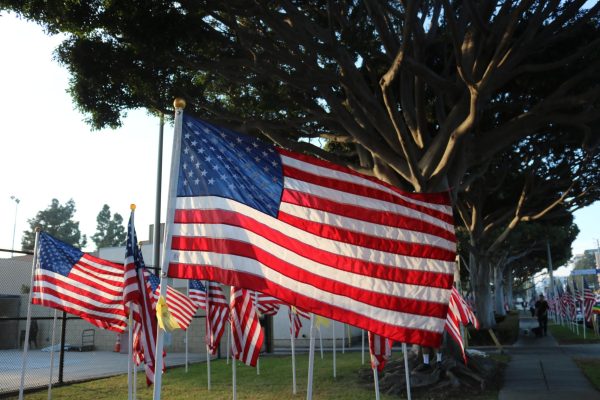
109	230
421	91
56	220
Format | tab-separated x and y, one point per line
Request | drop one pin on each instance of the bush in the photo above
506	330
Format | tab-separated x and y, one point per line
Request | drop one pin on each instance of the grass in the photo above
273	383
564	335
591	369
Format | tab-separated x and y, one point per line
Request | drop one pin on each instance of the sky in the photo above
47	151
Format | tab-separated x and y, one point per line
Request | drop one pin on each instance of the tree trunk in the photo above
479	272
499	291
508	284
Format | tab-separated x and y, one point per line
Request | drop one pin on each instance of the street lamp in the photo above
17	201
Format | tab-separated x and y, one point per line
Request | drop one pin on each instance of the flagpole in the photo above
582	290
227	350
311	358
130	355
186	335
28	321
179	105
233	374
292	337
208	335
52	354
362	347
406	372
343	338
256	308
334	340
320	341
376	381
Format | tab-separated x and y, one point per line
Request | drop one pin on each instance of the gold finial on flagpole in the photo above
179	103
132	207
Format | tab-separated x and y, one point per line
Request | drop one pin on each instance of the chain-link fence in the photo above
81	350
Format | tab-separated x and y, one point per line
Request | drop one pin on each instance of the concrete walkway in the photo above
541	369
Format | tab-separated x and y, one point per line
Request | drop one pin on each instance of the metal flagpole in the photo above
343	338
166	254
292	338
186	335
227	349
376	382
362	347
311	358
27	327
233	373
130	366
406	373
256	308
52	354
320	341
134	381
208	335
334	340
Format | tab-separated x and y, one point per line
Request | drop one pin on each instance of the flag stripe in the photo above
245	327
425	329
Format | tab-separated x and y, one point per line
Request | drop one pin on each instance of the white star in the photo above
187	135
203	172
186	150
208	158
184	165
190	174
197	165
239	140
197	181
211	181
194	143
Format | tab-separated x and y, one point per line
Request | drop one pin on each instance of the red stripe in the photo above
441	198
111	297
328	284
342	263
360	190
364	214
102	261
397	333
368	241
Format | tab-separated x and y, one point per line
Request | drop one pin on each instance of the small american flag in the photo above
138	294
589	299
295	315
459	312
267	305
380	349
197	293
181	307
314	234
246	331
67	279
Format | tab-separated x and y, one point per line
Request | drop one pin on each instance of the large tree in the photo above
109	229
411	87
56	220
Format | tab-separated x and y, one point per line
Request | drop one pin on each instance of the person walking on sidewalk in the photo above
541	310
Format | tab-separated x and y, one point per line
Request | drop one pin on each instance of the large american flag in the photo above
313	234
246	332
67	279
138	295
181	307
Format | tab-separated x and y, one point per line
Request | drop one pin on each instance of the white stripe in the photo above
107	268
363	282
85	275
237	263
365	227
332	246
368	203
89	312
343	176
81	286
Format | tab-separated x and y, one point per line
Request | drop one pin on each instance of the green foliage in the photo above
109	231
565	335
56	220
506	331
591	369
588	260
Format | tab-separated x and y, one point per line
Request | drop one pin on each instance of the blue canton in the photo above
196	284
154	281
219	162
55	255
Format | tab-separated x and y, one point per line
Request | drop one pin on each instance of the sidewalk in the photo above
541	369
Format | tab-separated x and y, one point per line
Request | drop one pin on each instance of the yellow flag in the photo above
321	321
164	317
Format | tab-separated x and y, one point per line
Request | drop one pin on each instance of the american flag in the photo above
380	349
589	299
246	332
569	303
295	314
67	279
181	307
459	312
217	315
267	305
313	234
138	293
197	293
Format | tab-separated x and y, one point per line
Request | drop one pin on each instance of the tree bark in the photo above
479	272
499	291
